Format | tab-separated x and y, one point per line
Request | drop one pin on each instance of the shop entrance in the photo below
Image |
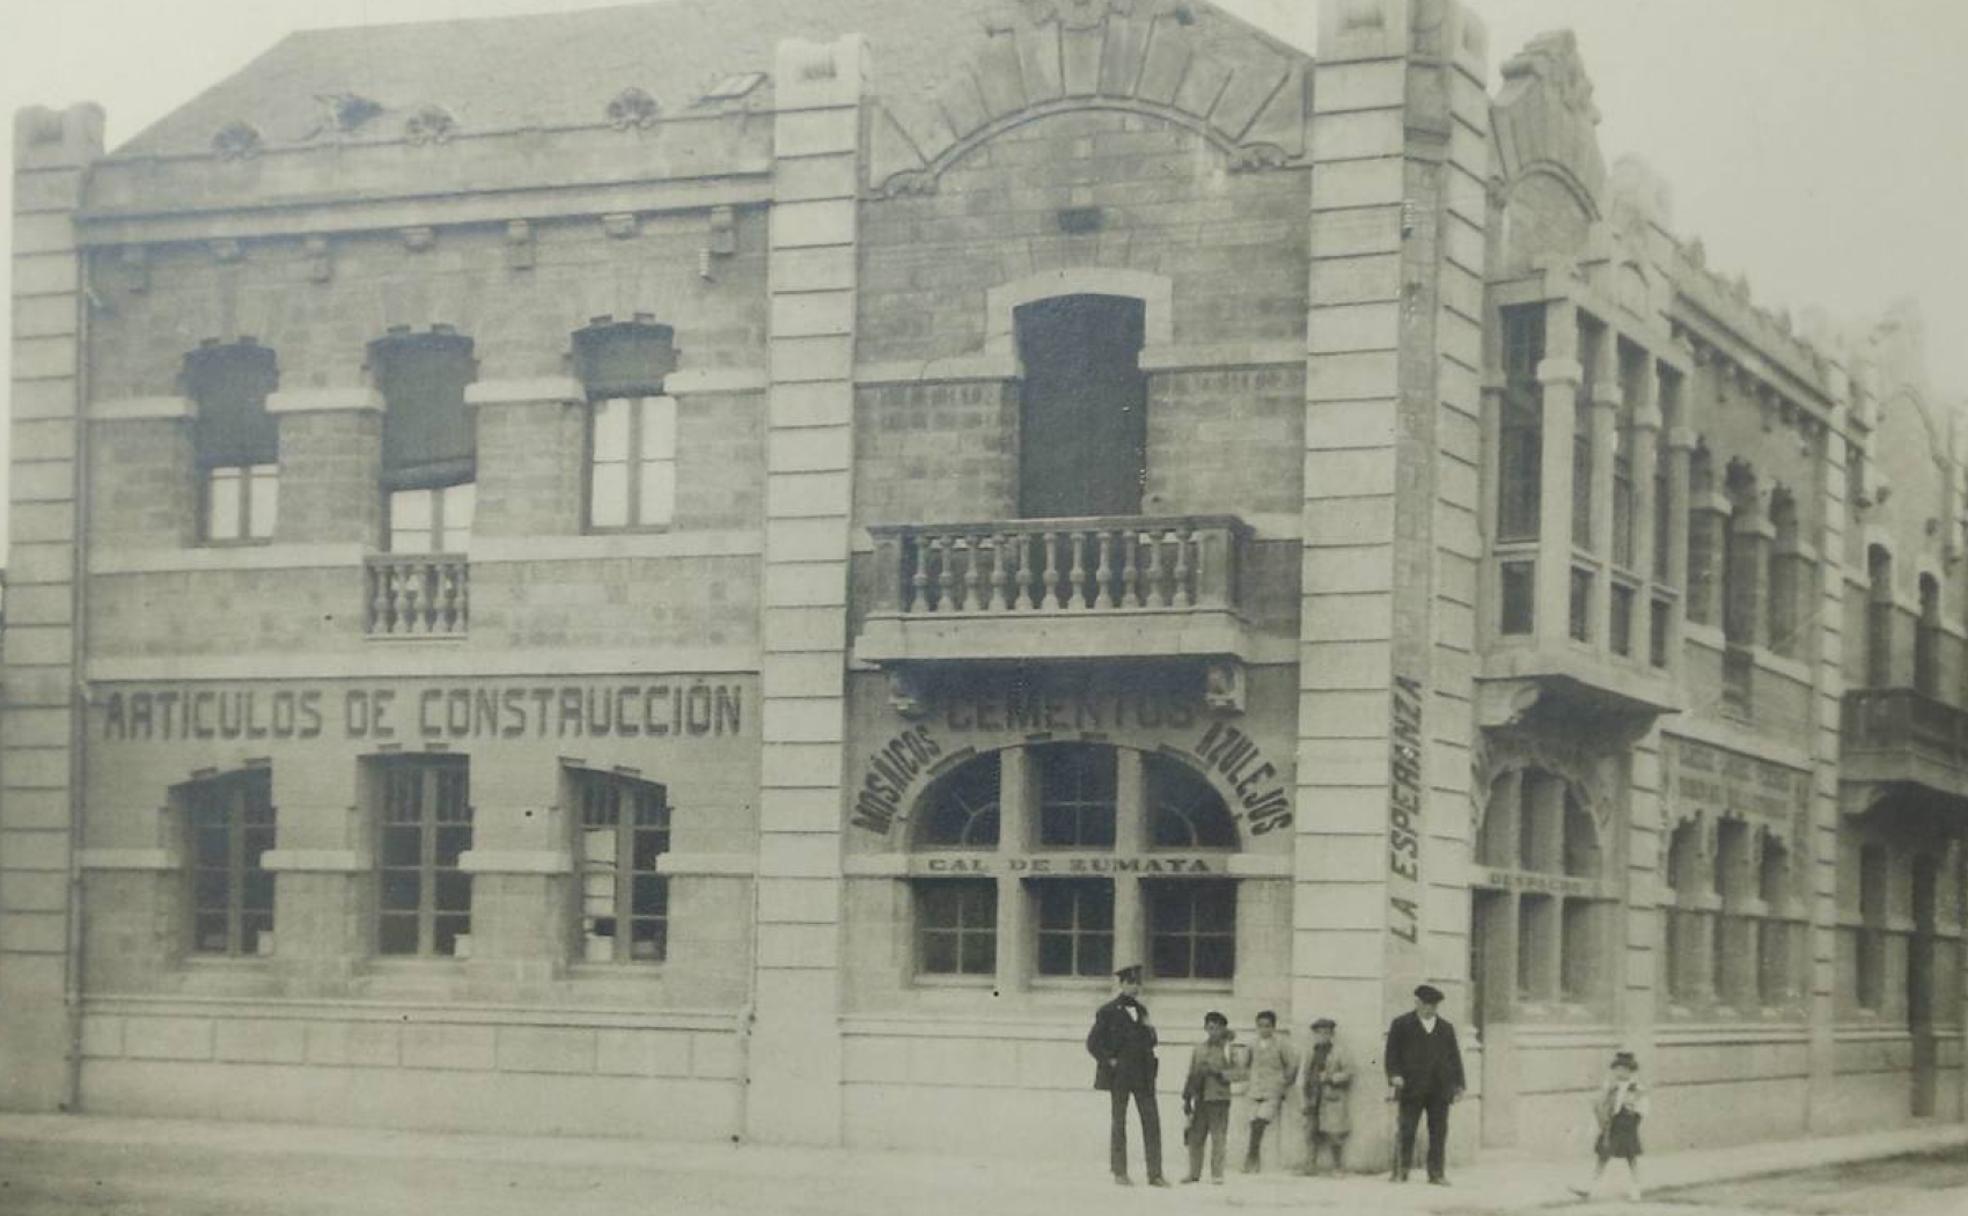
1920	985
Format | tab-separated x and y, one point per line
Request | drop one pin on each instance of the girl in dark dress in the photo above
1619	1106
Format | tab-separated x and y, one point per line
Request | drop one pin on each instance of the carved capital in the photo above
1224	686
908	692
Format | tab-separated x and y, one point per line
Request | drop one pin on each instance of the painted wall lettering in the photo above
895	765
672	708
987	864
1404	813
1032	711
1261	799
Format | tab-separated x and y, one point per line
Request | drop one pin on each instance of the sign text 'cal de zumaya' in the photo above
676	707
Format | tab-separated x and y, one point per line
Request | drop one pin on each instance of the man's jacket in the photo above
1122	1044
1428	1064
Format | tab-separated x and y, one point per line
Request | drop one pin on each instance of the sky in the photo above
1814	145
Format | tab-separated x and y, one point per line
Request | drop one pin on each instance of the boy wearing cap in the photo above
1206	1096
1122	1044
1424	1075
1273	1067
1328	1083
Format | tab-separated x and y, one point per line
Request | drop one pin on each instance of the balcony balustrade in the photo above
1057	588
418	595
1899	735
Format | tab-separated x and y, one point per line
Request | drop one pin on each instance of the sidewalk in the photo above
147	1165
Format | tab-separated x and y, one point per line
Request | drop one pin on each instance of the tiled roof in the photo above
559	69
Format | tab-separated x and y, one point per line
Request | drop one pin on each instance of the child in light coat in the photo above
1618	1107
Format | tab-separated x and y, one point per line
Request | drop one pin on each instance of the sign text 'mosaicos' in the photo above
597	710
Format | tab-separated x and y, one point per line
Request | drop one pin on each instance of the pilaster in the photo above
39	972
795	1090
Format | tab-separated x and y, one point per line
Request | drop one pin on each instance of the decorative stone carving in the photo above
1252	157
633	108
344	112
1224	686
914	182
429	124
1076	14
238	141
1553	58
908	692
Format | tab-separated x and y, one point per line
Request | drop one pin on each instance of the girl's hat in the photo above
1625	1059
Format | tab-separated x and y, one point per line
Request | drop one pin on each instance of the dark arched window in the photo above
1184	810
960	811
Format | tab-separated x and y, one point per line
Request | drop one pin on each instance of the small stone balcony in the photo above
417	595
1905	737
1099	588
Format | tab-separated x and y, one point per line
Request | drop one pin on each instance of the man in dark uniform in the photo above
1424	1074
1122	1044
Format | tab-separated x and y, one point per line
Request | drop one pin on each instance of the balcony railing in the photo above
418	595
1900	734
977	588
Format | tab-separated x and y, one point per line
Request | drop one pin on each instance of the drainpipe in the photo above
78	727
747	1016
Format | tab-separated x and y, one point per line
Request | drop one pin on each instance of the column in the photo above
1130	836
1681	444
1559	375
39	765
795	1047
1606	395
1646	455
1015	833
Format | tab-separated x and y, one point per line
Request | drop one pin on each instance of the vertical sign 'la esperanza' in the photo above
1404	813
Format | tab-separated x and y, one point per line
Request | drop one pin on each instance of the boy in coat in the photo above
1328	1085
1122	1044
1424	1075
1273	1068
1206	1096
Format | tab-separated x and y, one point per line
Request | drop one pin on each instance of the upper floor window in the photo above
624	900
632	424
1879	617
237	441
1927	638
1520	435
1632	367
1663	475
229	823
423	903
1083	431
1785	621
1592	343
430	447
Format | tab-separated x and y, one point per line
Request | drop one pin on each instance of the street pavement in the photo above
66	1166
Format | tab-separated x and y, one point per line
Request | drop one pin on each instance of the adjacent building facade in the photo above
711	570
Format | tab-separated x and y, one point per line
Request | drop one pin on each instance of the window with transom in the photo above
237	441
230	824
632	424
423	902
430	443
624	898
1072	834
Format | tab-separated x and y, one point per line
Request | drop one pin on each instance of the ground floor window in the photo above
1073	833
956	927
230	823
423	901
624	902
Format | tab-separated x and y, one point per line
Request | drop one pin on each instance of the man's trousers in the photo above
1143	1093
1436	1106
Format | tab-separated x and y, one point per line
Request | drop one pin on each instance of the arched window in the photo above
1687	922
238	442
1739	567
1774	931
1704	537
1082	835
1536	827
1184	810
960	811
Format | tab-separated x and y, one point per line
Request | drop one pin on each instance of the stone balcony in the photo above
1100	588
1901	737
417	595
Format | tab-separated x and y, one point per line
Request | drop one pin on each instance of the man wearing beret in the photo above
1122	1044
1424	1075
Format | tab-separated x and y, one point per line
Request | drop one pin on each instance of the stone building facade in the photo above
709	570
